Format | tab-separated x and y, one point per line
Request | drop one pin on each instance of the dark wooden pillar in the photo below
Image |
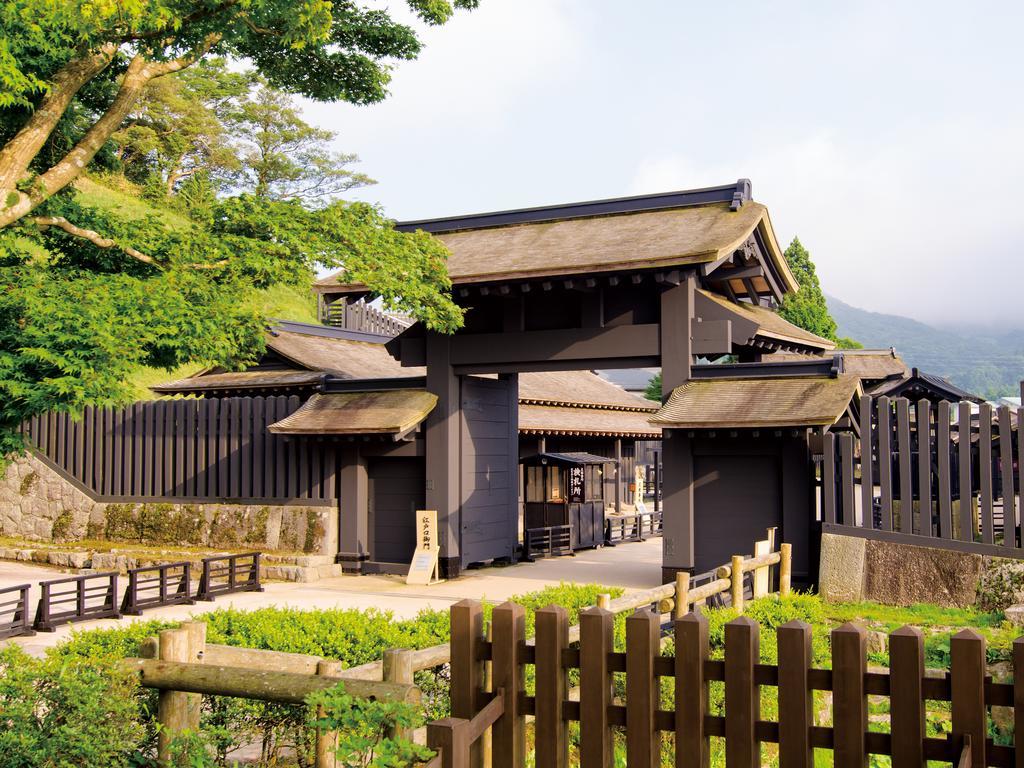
442	450
677	457
514	483
353	529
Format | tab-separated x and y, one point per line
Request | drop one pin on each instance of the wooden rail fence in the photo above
636	527
935	476
77	598
550	541
158	585
14	615
359	317
186	449
225	574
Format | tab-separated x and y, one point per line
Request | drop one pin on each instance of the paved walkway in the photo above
630	566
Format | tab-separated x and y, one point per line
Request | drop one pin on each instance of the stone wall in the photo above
38	504
854	568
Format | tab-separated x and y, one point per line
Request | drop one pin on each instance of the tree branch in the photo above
93	237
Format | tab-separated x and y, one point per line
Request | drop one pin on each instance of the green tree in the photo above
807	307
653	389
88	294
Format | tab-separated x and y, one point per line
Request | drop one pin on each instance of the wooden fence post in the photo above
682	604
967	524
796	700
467	622
450	737
396	667
906	699
196	634
487	739
604	600
849	700
736	588
551	729
326	747
693	745
742	694
508	735
172	706
967	684
642	692
1018	700
785	569
596	686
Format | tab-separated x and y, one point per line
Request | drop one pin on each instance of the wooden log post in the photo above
326	746
551	728
682	604
397	667
742	694
604	600
642	692
693	744
508	735
172	712
967	685
596	687
736	583
849	699
785	569
196	633
906	697
467	666
796	700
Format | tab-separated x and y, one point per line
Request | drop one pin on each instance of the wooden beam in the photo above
488	349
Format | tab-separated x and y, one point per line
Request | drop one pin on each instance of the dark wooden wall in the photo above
202	450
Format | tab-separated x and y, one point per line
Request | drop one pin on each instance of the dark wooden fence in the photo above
551	541
158	585
205	449
77	598
360	317
225	574
14	616
648	714
932	475
635	527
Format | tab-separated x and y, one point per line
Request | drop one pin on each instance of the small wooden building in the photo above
566	489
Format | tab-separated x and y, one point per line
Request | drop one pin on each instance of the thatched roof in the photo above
343	358
695	234
393	412
586	422
868	364
767	402
769	324
233	380
579	388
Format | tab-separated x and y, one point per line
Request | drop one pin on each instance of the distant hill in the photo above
988	363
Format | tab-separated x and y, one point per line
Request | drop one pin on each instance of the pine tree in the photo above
807	307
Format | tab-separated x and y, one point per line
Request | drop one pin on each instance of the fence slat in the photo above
904	450
642	630
924	465
742	695
986	509
849	700
693	745
1006	474
828	479
967	685
508	630
885	461
596	686
967	528
551	729
1018	701
467	678
849	497
867	481
906	700
796	702
942	449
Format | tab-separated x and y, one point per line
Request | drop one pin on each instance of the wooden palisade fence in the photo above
911	475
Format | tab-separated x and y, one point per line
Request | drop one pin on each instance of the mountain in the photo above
986	362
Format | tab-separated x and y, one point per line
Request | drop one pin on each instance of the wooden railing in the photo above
225	574
76	598
691	670
552	541
360	317
14	614
636	527
927	475
158	585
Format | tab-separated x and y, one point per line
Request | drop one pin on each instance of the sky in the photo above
888	136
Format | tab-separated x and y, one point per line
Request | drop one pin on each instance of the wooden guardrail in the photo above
76	598
155	586
635	527
14	614
551	541
225	574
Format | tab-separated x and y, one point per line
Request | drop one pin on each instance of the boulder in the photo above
904	574
841	573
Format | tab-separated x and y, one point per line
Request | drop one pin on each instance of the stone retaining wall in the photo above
38	504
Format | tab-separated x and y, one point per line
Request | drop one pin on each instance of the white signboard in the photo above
423	568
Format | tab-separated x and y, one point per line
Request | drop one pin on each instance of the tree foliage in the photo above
141	85
807	307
